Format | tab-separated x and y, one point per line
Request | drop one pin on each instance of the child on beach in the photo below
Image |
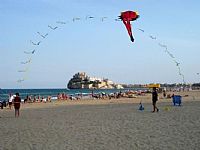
141	107
154	99
17	101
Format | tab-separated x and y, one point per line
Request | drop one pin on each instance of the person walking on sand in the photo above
10	101
154	99
17	101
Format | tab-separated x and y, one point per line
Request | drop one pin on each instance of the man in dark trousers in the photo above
154	99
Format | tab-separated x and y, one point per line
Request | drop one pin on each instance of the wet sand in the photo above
103	125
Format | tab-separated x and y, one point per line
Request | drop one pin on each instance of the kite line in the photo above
125	17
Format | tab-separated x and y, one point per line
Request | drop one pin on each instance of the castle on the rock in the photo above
82	81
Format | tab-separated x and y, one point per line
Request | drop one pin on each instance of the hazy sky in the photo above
101	49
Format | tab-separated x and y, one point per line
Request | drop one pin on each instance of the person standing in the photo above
154	99
17	101
10	101
164	93
1	103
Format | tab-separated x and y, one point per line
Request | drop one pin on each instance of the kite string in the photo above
74	19
26	70
168	53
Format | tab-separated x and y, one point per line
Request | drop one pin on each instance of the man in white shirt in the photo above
10	101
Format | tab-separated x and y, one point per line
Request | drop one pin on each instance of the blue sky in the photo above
101	49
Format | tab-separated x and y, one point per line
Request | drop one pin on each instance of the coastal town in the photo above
81	80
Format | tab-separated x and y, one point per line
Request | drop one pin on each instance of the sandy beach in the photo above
99	75
103	125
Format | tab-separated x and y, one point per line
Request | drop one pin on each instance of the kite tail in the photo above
132	39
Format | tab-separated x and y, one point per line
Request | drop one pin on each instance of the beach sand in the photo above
103	125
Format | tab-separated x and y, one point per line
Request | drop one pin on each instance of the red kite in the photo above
127	17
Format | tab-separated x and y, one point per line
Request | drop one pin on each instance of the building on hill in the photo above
81	81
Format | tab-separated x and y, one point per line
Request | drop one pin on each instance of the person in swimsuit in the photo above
17	101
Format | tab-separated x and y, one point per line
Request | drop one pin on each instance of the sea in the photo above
4	93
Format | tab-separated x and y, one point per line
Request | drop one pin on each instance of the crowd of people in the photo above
15	100
27	99
39	99
101	95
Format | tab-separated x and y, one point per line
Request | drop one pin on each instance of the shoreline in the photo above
146	99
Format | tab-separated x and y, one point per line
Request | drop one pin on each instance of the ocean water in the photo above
4	93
